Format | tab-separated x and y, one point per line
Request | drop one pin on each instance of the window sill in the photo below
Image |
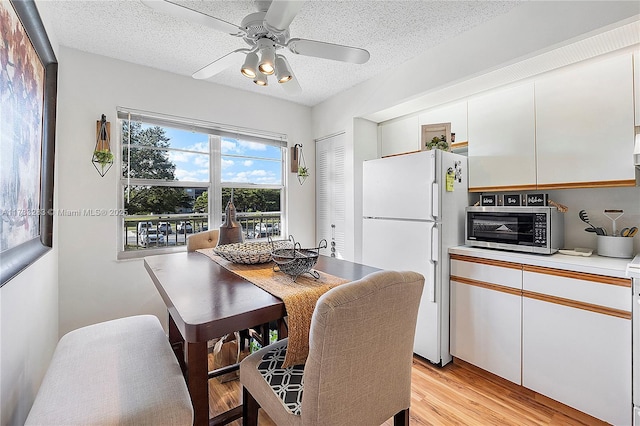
140	254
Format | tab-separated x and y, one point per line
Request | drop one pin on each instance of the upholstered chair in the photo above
358	371
201	240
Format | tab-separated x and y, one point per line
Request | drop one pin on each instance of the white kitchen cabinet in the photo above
501	126
399	135
585	125
456	114
486	315
576	341
636	84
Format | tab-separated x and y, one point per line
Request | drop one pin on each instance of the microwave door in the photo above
513	229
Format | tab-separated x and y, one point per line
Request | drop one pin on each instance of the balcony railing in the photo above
156	231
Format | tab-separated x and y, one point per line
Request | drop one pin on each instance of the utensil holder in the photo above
615	246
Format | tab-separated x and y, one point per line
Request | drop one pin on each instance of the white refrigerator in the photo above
413	208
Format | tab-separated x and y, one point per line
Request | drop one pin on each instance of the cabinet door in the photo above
576	341
585	125
636	84
578	357
456	114
399	136
502	140
486	317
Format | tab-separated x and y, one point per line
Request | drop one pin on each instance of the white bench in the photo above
117	372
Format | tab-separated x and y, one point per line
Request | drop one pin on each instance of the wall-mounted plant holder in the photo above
102	156
298	163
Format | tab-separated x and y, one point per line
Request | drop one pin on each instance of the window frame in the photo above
216	133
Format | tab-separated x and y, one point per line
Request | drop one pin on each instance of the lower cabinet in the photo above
485	316
563	334
578	351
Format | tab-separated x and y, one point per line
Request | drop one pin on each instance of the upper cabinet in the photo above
636	78
400	135
502	144
585	125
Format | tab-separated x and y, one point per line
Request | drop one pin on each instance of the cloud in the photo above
253	176
197	175
226	163
247	163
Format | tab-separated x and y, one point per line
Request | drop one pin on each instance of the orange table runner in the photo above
299	298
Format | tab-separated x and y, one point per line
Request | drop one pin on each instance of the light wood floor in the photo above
457	394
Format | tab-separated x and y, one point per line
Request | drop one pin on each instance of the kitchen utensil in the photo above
597	231
629	232
585	218
614	215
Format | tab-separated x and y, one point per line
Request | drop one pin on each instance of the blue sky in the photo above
242	161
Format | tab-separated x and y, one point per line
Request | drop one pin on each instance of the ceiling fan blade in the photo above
281	13
336	52
191	15
221	64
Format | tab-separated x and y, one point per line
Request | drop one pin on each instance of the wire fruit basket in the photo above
250	253
295	261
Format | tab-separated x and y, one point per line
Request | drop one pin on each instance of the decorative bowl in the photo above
249	253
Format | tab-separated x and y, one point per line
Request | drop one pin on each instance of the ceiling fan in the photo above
266	32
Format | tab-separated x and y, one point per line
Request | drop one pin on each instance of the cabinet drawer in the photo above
487	271
600	291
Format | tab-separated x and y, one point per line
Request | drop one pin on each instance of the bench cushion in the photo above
117	372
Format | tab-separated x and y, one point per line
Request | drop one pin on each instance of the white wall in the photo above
528	30
28	324
94	286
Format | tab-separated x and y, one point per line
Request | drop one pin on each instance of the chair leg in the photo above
250	409
401	418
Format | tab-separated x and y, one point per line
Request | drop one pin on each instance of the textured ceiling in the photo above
392	31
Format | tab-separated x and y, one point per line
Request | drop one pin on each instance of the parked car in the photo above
165	228
145	225
184	227
264	229
150	236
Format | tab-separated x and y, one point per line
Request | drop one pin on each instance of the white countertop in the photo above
594	264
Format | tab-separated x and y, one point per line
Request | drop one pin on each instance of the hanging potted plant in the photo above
102	154
103	157
303	171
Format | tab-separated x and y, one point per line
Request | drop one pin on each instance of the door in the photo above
330	193
407	245
399	187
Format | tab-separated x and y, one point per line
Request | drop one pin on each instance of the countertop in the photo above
594	264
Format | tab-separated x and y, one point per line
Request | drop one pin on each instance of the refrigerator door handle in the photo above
435	243
434	258
435	200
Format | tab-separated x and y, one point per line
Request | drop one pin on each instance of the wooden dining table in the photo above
206	301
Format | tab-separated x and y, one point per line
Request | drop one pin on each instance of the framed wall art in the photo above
28	92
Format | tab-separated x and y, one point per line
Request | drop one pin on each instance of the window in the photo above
170	166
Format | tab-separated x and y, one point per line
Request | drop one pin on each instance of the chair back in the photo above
201	240
360	350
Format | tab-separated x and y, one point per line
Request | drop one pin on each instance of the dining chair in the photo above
358	371
201	240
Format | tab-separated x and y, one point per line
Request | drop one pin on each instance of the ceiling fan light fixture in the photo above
268	56
283	71
261	79
250	64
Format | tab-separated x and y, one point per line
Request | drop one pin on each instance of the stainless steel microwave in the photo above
526	229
